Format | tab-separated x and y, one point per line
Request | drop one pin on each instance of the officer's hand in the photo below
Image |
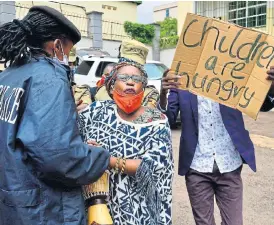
81	106
93	143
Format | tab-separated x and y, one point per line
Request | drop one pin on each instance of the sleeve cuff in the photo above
271	99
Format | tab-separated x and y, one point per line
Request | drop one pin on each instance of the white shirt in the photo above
214	142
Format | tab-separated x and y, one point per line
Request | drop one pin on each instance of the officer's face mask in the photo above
65	63
65	60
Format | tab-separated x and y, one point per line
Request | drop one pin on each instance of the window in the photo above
109	7
251	3
261	10
252	11
155	71
242	22
84	67
100	69
251	22
167	12
241	13
247	13
232	5
241	4
261	20
233	15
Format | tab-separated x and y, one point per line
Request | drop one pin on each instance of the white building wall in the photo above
159	13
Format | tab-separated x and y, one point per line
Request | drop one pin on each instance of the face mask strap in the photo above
65	58
62	50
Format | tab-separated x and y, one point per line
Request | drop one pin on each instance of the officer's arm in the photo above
51	139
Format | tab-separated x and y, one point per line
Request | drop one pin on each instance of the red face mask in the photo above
128	104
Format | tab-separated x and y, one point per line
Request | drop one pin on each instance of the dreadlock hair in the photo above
22	40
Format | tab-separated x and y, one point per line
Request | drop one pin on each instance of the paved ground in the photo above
258	187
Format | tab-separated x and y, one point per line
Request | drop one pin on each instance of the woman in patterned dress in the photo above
141	192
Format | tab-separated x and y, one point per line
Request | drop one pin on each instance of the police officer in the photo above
43	161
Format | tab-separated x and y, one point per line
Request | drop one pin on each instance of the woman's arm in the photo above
131	165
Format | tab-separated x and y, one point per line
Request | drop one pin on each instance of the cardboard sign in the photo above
224	62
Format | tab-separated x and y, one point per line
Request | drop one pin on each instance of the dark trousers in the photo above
227	189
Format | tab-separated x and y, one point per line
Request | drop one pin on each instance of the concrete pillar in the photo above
269	17
156	43
7	11
95	28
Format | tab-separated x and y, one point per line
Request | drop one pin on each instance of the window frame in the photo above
239	20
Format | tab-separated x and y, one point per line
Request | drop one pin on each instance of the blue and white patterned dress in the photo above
143	199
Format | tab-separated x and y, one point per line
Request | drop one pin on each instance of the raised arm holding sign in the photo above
224	62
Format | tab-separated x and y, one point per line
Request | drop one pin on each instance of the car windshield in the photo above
155	70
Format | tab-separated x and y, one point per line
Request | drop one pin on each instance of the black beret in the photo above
73	32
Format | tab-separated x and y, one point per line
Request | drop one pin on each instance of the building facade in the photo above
114	14
252	14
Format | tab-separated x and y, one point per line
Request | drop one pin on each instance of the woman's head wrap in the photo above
132	53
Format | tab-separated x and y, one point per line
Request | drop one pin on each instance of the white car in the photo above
92	67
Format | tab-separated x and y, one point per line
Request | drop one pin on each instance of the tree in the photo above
169	36
168	27
140	32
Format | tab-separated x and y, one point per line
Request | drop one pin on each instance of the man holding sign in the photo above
210	88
